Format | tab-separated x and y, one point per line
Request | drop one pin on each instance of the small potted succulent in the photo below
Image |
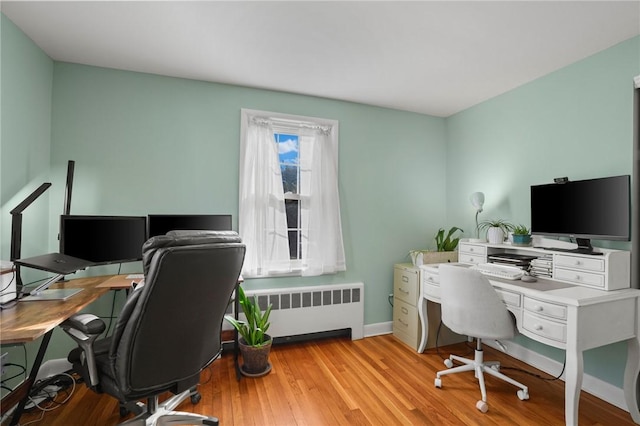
497	230
521	235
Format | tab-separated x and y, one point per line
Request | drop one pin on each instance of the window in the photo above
289	212
289	158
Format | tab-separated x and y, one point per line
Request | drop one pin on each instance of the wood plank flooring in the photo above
373	381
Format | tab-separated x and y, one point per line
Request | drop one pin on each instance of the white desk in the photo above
566	316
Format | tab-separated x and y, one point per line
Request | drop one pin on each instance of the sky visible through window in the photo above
288	149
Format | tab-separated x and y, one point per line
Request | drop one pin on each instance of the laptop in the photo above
58	263
55	262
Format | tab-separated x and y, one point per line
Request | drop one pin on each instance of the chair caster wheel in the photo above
448	363
196	397
495	367
124	411
482	406
523	394
438	383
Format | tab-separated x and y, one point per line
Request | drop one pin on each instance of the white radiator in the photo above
303	310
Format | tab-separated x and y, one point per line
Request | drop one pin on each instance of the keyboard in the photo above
499	271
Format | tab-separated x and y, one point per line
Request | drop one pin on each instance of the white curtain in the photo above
262	215
323	249
262	218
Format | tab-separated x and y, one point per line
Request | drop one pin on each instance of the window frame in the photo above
291	124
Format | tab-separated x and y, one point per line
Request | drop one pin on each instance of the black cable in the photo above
11	364
208	379
549	379
13	277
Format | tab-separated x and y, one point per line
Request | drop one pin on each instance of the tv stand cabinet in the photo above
607	270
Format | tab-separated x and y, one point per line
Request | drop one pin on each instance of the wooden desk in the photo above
28	321
565	316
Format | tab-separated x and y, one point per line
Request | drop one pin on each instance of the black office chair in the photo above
169	328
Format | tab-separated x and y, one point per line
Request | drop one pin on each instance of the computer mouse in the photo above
528	279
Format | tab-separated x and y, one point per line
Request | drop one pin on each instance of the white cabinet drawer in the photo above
406	284
544	327
579	277
471	258
430	278
540	307
472	249
509	298
582	263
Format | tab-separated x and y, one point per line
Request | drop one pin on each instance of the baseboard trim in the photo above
378	329
596	387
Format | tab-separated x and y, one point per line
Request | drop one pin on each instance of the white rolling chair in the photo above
471	307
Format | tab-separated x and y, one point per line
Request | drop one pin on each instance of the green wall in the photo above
150	144
575	122
26	79
25	132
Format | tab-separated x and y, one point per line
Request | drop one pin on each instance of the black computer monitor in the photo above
103	239
160	224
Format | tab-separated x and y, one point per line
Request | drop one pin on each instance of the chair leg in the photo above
479	367
163	414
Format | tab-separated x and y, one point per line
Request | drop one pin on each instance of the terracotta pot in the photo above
255	359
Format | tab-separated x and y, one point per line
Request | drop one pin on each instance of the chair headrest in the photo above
184	238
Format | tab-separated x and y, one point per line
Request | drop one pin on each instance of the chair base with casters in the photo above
163	414
479	366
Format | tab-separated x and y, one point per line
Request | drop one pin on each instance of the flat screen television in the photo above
585	209
160	224
103	239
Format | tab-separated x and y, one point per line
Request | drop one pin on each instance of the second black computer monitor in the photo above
160	224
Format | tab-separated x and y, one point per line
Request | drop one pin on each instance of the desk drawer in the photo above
509	297
544	327
431	291
582	263
472	258
405	285
579	277
547	309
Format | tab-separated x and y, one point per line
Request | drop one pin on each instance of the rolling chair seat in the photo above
471	307
169	329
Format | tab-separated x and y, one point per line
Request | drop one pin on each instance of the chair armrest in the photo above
85	329
86	324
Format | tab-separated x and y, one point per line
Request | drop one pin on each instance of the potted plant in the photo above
445	248
521	235
254	342
497	230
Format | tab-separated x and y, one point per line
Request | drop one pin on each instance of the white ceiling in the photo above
431	57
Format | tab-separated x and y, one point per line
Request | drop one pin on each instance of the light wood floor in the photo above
373	381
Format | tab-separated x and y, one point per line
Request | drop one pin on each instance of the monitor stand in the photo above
584	247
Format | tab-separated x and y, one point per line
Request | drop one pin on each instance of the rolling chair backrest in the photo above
471	306
170	328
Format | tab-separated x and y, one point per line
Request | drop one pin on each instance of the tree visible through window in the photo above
288	154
